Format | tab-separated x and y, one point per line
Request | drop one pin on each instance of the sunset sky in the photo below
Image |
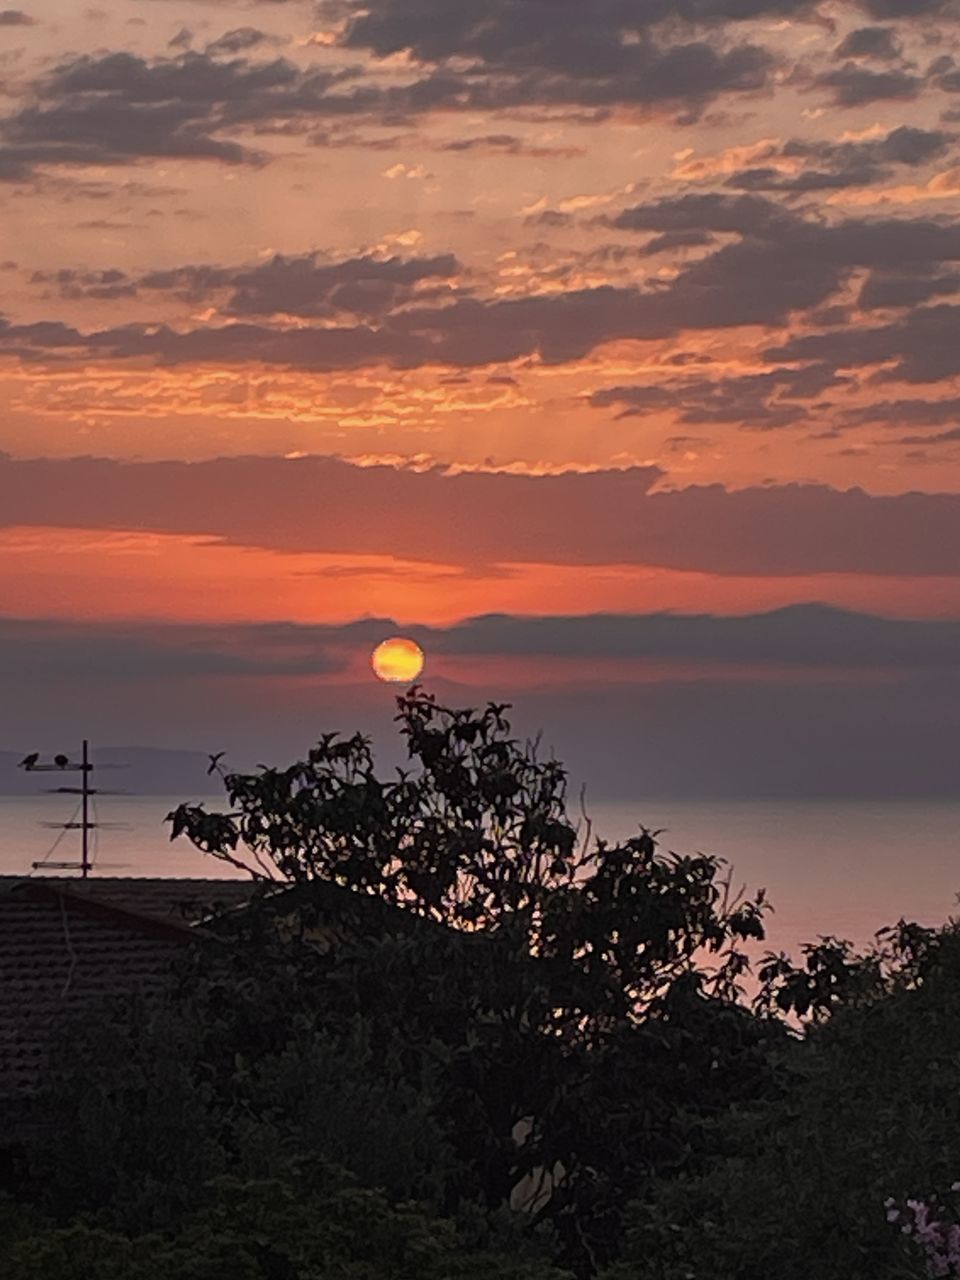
599	347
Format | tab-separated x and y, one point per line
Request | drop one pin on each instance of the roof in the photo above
177	900
67	944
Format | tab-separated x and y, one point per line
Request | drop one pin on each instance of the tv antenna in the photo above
63	764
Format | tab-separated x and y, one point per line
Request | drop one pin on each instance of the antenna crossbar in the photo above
63	764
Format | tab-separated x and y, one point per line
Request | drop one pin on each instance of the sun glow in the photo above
397	661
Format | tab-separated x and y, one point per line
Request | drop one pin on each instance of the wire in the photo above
68	941
53	848
95	832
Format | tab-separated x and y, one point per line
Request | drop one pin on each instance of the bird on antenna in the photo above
29	761
61	761
215	759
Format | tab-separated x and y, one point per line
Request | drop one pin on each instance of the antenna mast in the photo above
63	764
85	828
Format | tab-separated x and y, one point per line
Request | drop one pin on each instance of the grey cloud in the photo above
110	111
505	144
899	413
885	10
854	86
811	636
740	728
538	34
782	265
802	636
870	42
884	289
834	166
740	215
761	401
682	77
660	57
16	18
107	284
132	652
481	519
671	240
308	285
118	108
361	286
941	437
238	40
922	346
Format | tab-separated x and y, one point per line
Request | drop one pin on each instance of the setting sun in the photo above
397	661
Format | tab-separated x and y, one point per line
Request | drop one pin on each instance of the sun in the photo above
398	661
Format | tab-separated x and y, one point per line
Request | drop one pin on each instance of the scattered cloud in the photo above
853	85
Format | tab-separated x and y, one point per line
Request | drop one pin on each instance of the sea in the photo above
829	868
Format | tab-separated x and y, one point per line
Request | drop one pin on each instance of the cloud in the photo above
870	42
803	701
118	108
483	519
105	285
891	289
388	312
557	37
308	285
800	635
900	413
237	40
814	636
16	18
777	398
134	652
664	57
800	167
921	347
887	10
855	86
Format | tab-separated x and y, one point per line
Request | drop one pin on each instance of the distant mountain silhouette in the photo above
147	771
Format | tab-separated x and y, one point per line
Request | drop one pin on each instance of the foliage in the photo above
797	1186
316	1227
548	981
937	1237
443	1000
833	975
147	1106
477	837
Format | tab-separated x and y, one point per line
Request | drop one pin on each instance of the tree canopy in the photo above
457	1036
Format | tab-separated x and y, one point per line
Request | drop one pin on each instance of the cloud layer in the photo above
600	518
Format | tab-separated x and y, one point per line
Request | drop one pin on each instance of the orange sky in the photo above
694	276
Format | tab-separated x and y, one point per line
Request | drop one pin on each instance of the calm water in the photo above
842	868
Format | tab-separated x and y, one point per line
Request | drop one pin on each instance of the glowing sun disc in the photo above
397	661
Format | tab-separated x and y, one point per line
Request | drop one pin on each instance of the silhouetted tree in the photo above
585	992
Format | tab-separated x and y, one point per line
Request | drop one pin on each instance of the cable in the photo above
96	832
53	848
69	945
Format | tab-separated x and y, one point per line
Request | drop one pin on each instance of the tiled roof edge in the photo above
84	905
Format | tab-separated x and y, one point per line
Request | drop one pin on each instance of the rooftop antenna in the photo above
63	764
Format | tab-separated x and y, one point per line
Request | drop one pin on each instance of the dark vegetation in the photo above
500	1049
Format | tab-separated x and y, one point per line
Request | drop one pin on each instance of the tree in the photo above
554	984
314	1225
477	838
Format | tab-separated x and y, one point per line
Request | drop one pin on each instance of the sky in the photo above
609	350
